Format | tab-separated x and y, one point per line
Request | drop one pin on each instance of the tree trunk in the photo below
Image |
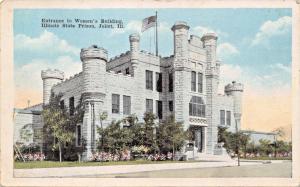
59	147
173	152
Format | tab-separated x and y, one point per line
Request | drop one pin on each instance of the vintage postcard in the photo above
157	93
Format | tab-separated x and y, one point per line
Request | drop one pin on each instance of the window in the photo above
193	81
127	71
159	109
200	82
126	105
197	107
222	117
115	103
149	105
170	82
159	82
228	118
149	80
71	106
62	104
78	135
171	106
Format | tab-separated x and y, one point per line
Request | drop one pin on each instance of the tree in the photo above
233	141
171	135
265	147
115	138
279	132
57	123
26	132
149	134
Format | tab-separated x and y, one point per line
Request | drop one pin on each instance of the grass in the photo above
54	164
268	158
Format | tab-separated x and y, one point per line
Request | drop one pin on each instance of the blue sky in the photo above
254	44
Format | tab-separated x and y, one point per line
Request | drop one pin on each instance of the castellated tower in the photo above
134	40
212	80
180	70
138	73
94	61
50	78
236	91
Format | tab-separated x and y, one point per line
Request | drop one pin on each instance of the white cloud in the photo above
47	42
282	67
28	76
225	50
267	84
272	28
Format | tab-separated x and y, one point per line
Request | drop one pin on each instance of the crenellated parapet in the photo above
50	78
238	87
55	74
93	52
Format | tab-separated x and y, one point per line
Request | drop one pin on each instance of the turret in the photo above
181	31
134	40
236	90
50	78
210	44
94	61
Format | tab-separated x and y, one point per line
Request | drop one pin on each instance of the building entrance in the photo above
198	137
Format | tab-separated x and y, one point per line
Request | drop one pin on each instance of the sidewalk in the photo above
121	169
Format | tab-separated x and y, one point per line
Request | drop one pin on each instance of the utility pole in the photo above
237	142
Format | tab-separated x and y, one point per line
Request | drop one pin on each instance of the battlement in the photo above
234	87
134	37
93	52
49	73
68	79
209	36
119	56
180	25
195	41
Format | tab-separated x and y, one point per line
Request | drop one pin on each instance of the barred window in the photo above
62	104
159	109
170	82
171	106
115	103
193	81
159	82
228	118
149	105
222	117
126	105
71	106
149	80
200	82
197	107
127	71
78	135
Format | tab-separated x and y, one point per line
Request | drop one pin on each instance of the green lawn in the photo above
268	158
53	164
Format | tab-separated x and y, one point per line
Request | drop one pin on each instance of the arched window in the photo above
197	107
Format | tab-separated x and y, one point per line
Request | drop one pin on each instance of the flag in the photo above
148	23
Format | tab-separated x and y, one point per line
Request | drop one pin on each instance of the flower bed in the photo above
104	157
31	157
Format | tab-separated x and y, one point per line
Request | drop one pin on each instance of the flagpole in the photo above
156	37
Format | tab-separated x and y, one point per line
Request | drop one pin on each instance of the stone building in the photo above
184	84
